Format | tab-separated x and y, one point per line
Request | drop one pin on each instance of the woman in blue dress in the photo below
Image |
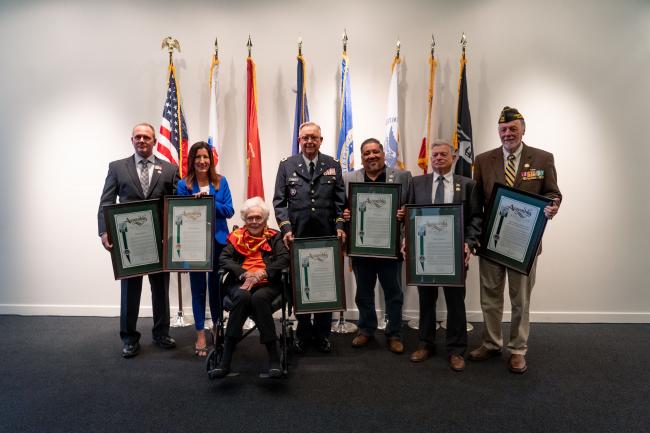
202	179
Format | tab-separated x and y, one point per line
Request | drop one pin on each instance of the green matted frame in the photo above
357	210
312	248
495	217
171	238
415	238
135	215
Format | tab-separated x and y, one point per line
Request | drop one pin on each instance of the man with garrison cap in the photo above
528	169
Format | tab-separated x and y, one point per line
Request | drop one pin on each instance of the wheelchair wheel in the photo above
214	358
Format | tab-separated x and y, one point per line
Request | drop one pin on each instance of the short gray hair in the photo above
440	142
254	202
302	125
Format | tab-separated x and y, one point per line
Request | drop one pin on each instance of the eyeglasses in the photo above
254	219
306	138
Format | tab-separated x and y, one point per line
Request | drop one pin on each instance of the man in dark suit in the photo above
309	200
440	187
140	177
366	269
528	169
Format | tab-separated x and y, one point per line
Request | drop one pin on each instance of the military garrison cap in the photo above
508	114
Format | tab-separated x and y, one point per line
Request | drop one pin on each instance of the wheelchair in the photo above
283	302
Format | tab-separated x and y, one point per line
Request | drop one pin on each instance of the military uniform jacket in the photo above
306	206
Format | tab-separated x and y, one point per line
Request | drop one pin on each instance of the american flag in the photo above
170	146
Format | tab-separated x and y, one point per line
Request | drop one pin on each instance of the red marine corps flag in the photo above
172	143
253	157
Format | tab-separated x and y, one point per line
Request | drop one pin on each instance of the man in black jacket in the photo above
141	176
439	187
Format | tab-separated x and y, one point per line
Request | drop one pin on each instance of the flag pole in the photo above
463	44
179	321
340	325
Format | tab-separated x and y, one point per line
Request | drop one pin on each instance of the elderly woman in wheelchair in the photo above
253	258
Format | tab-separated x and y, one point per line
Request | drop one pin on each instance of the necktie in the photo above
440	191
311	169
144	176
510	170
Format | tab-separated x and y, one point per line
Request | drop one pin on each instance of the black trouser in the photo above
456	338
130	306
320	328
256	303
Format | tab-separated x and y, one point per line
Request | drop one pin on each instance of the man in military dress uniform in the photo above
309	200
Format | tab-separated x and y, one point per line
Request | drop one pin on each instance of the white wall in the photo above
77	75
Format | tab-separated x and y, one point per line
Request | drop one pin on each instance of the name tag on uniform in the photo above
293	179
532	174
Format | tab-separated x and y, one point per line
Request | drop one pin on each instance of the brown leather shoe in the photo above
360	340
517	363
422	354
482	353
457	362
395	345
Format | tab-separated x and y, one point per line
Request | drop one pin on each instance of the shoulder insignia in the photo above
284	159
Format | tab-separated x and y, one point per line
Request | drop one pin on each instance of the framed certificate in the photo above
188	233
134	230
374	231
514	226
317	275
435	245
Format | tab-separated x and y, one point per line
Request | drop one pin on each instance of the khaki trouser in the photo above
493	279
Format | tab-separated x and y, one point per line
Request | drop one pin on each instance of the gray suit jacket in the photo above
123	181
465	193
403	177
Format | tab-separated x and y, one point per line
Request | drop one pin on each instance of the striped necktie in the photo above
510	170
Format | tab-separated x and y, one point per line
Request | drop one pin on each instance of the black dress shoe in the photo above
299	346
166	342
324	345
220	372
275	370
130	350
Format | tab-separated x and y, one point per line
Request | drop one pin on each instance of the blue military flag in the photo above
345	149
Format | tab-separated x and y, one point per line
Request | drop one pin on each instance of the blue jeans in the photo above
198	287
366	271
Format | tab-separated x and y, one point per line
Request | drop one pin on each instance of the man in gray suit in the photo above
367	270
139	177
440	187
